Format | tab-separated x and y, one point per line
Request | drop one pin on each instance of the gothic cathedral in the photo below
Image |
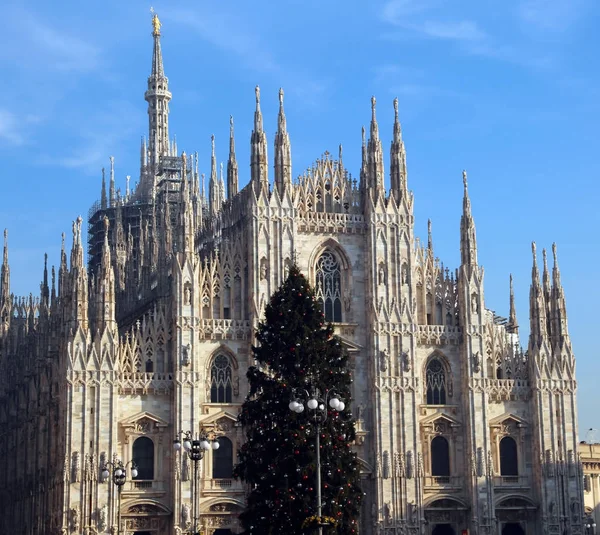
458	427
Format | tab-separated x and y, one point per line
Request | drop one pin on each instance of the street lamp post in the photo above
590	526
195	449
119	476
317	405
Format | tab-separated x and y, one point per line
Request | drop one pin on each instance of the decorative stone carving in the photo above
384	358
186	355
409	465
75	467
185	515
75	519
406	361
102	518
476	362
381	274
185	469
386	465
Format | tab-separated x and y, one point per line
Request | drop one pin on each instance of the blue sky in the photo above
507	90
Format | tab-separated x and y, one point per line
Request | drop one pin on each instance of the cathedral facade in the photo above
458	427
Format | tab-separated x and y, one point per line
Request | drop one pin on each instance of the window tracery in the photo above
328	286
435	380
221	380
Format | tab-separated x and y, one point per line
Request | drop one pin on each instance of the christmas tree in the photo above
298	358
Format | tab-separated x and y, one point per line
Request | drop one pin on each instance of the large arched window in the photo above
220	380
143	457
329	286
223	459
440	457
509	465
435	380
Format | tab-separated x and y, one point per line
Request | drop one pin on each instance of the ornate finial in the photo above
62	239
340	152
373	103
396	107
231	125
212	144
511	284
545	259
106	225
74	229
429	235
465	178
155	23
257	92
364	136
555	254
534	252
281	97
5	237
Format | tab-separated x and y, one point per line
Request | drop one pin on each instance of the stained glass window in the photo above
328	287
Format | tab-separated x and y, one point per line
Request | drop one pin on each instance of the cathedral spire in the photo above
63	270
375	157
513	325
558	304
79	280
398	179
429	238
258	156
232	166
5	273
158	96
221	187
105	285
546	278
283	153
186	211
103	201
468	241
45	290
112	195
213	183
537	306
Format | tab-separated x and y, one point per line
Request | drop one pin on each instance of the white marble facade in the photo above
458	427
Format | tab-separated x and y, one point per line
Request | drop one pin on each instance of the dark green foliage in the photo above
296	352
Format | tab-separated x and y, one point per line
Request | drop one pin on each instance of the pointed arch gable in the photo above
446	370
333	245
222	349
222	375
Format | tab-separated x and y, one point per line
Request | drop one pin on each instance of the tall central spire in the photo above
283	156
375	157
232	166
158	96
258	152
468	241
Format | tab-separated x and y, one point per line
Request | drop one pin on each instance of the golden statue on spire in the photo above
155	23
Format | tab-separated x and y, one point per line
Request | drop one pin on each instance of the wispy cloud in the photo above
224	32
13	128
98	136
417	17
551	15
36	44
